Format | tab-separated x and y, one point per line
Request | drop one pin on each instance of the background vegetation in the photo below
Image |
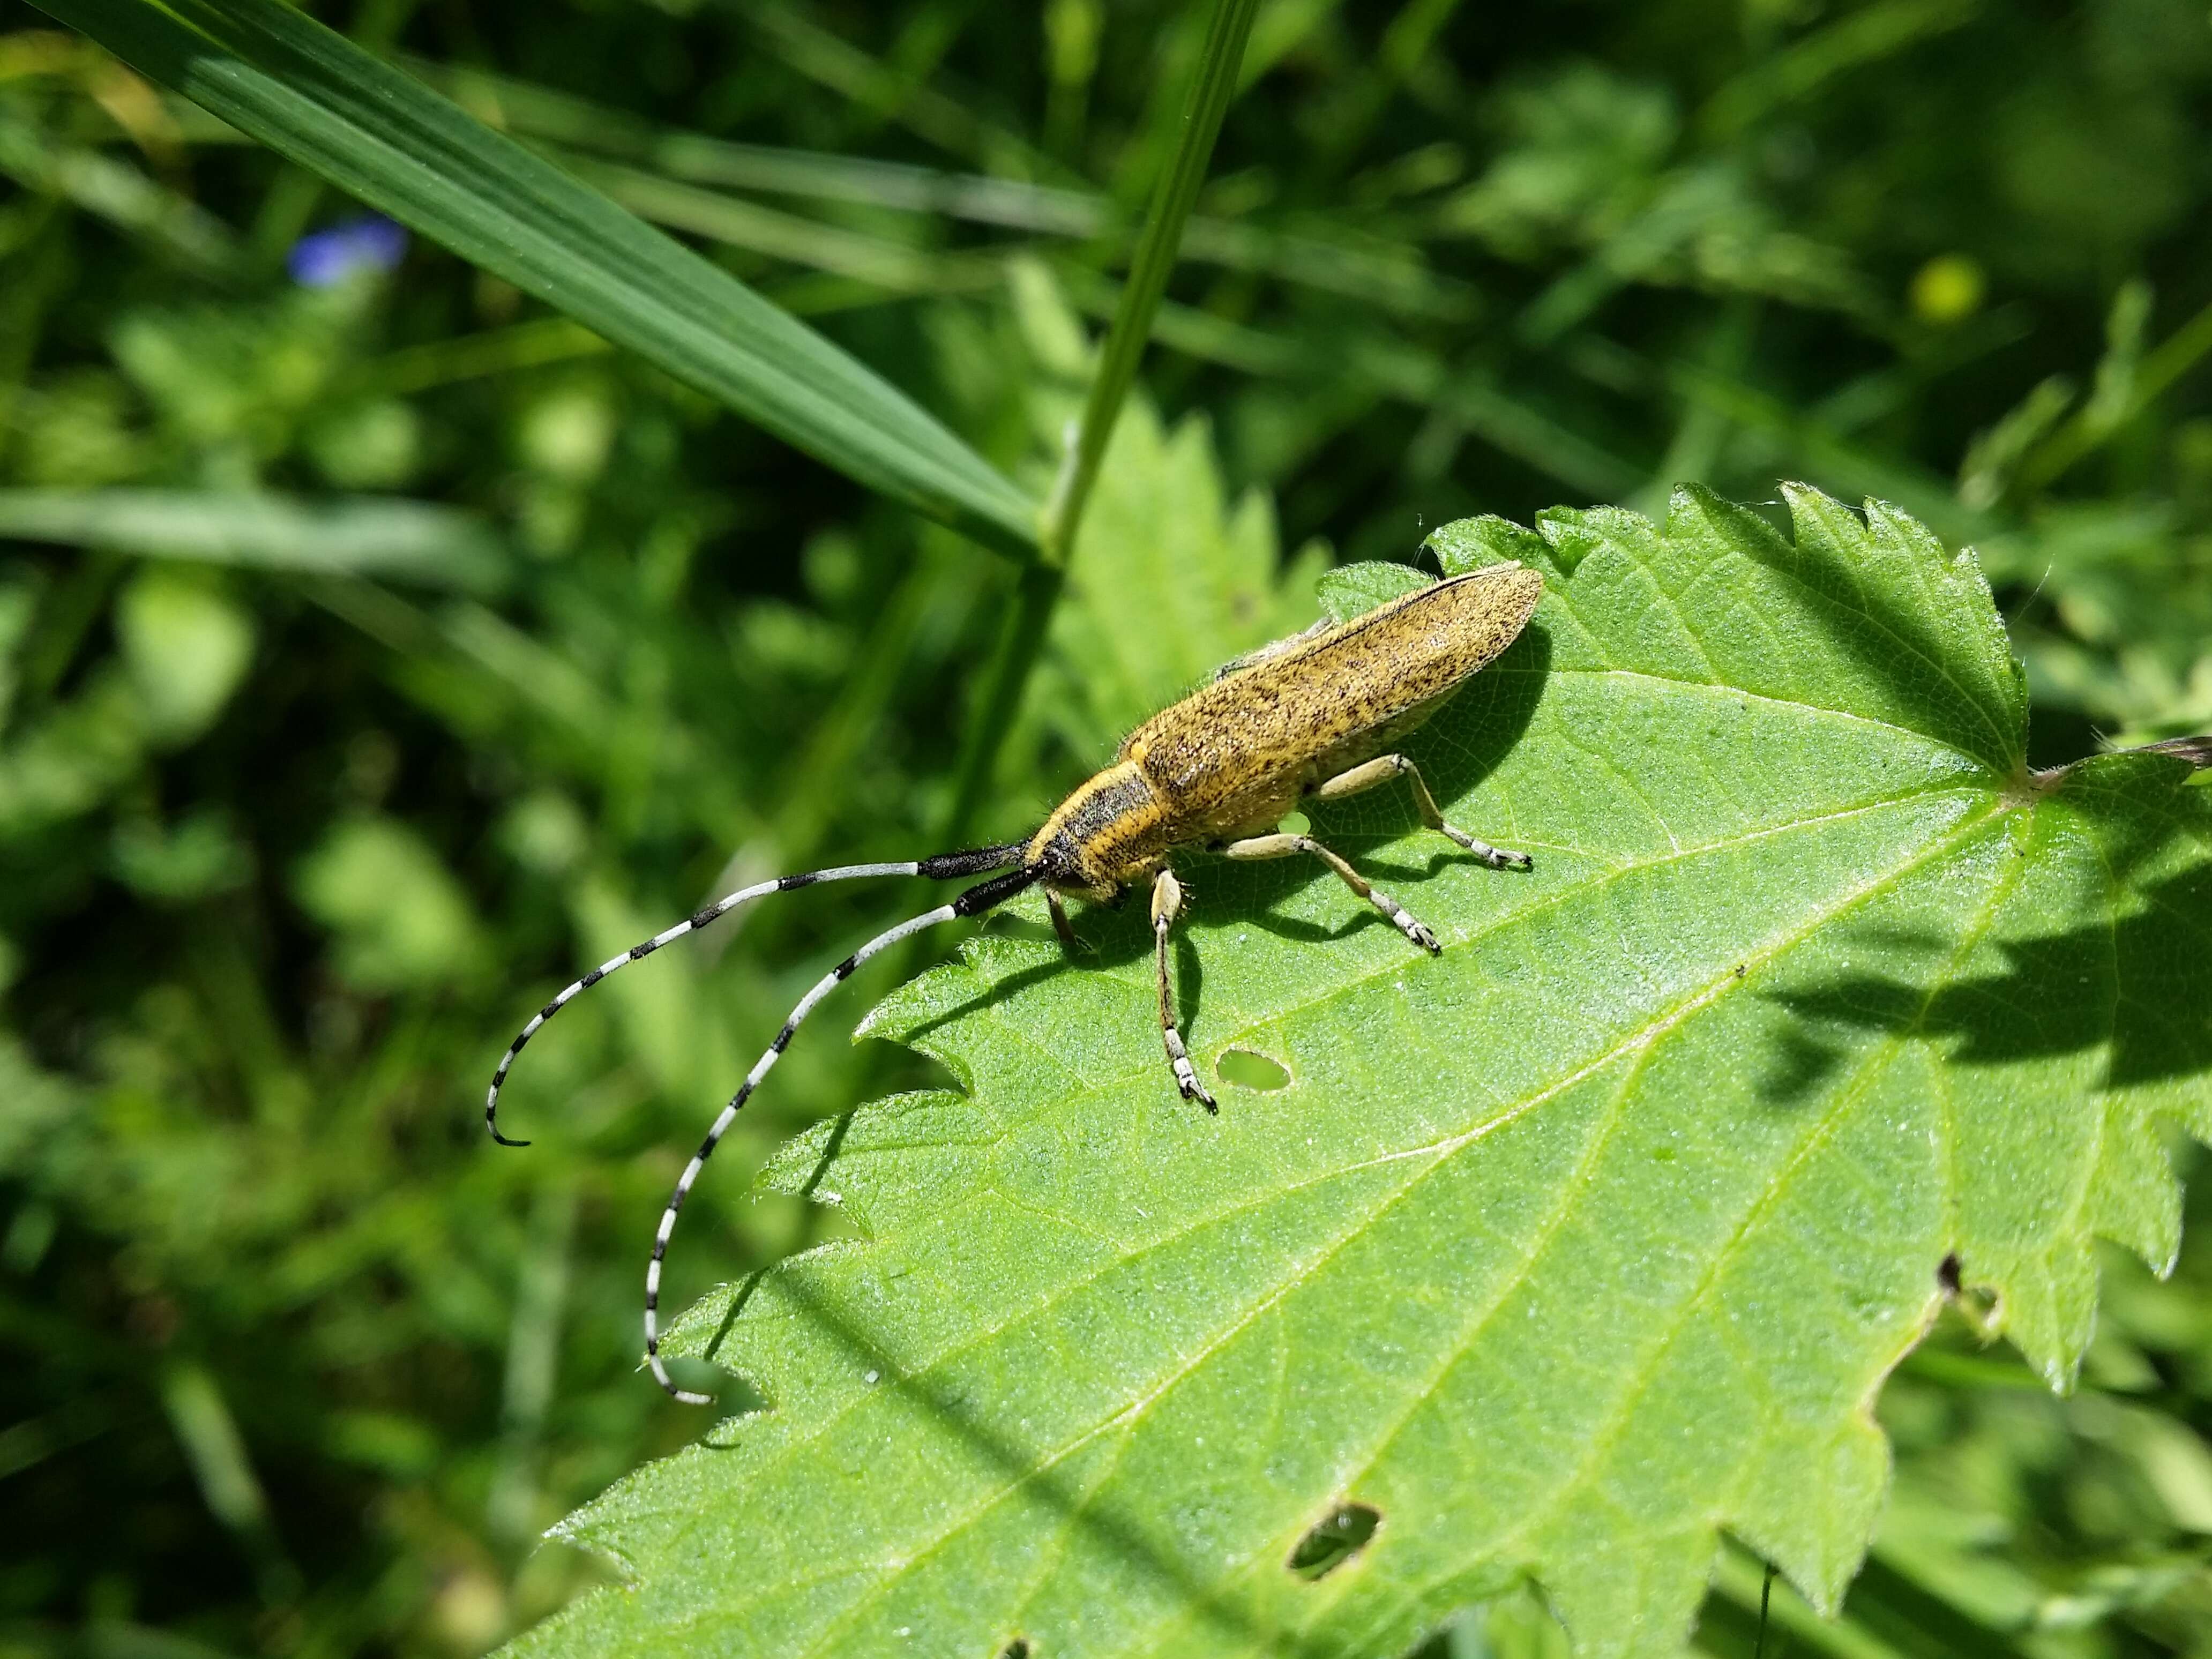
522	649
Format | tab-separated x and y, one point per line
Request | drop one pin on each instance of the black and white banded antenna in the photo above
977	899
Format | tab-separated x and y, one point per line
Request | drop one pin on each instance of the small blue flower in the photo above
328	258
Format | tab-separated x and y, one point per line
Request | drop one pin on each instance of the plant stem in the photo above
1037	590
2087	431
1172	200
1038	586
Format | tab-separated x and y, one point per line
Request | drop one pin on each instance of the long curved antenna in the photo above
972	862
979	897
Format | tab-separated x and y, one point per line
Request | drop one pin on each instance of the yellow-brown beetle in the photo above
1313	717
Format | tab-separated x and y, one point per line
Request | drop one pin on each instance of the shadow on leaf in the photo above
1875	623
2136	984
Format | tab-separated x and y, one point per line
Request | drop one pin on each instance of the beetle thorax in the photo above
1112	830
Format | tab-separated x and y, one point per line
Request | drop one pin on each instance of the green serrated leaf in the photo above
1466	544
1561	1254
1353	590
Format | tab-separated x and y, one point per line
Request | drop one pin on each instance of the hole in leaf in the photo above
1295	824
1017	1649
1249	1071
1340	1535
1983	1312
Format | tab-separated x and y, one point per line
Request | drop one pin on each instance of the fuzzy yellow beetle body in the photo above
1309	718
1237	754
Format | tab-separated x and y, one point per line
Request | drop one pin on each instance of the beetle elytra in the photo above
1311	718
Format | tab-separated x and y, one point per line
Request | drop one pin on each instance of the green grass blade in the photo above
355	536
1177	193
118	192
395	145
1016	652
890	93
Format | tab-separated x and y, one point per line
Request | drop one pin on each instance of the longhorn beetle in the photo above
1312	717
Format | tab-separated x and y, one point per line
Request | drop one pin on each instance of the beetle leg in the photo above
1060	924
1287	846
1167	904
1384	768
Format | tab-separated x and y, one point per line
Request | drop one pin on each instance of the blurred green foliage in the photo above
472	651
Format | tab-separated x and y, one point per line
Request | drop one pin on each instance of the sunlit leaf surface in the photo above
1559	1254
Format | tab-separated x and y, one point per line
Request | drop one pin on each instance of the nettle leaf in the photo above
1353	590
1465	545
1560	1254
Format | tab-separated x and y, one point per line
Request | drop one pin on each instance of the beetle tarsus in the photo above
1193	1090
1167	905
1497	858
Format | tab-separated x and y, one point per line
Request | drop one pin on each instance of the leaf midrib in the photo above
1438	1152
1140	984
1599	878
1443	1151
1736	693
